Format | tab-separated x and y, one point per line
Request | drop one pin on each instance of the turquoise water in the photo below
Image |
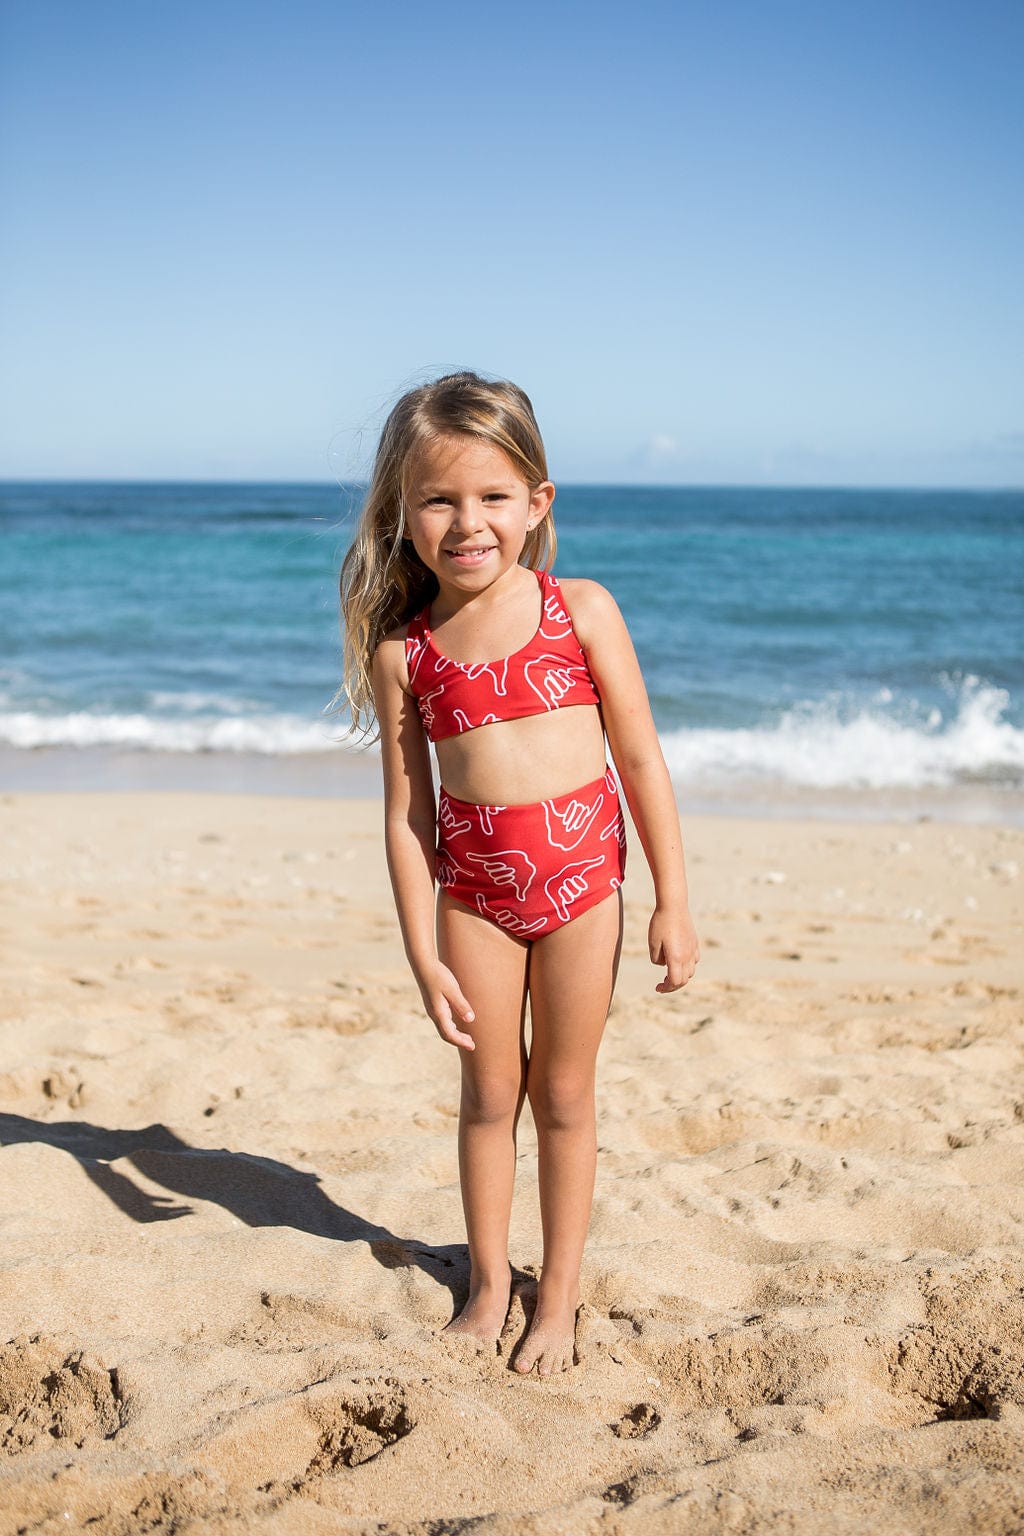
800	638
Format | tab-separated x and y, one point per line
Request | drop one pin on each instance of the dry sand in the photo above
231	1230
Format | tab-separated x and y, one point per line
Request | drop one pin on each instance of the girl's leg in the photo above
491	969
572	974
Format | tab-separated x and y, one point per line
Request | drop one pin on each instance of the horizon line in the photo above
633	485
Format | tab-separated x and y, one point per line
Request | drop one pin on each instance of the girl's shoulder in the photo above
390	662
396	636
582	589
589	603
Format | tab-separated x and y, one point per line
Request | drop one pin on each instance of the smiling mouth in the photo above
470	552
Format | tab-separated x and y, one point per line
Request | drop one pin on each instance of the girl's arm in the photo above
410	836
635	747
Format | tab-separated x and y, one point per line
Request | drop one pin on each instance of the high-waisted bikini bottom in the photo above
531	868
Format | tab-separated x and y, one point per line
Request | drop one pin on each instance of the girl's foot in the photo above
550	1344
483	1316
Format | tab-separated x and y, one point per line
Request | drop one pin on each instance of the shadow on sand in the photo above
257	1190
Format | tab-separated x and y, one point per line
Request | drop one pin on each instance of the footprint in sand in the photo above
967	1361
305	1319
63	1085
51	1393
355	1431
308	1434
637	1422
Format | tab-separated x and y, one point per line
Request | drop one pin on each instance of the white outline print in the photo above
570	884
464	723
503	867
561	676
505	918
555	623
415	650
486	813
447	820
576	818
425	701
446	872
616	829
423	645
471	670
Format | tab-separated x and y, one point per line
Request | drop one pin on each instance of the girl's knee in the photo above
561	1101
491	1101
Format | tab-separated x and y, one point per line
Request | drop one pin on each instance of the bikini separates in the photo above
531	868
527	868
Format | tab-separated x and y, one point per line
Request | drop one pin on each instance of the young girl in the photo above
456	631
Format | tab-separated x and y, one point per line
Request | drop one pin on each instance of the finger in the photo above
452	1036
458	1002
457	1037
675	977
447	1027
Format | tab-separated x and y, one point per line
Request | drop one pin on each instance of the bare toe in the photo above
465	1347
546	1346
525	1363
483	1316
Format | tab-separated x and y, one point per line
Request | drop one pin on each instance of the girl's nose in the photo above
467	516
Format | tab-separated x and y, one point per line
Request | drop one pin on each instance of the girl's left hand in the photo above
673	943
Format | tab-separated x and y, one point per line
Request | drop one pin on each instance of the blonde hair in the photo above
383	581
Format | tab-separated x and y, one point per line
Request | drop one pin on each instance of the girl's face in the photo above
468	512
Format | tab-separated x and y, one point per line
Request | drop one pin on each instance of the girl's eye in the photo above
436	501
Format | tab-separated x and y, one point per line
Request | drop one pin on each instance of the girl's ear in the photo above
541	498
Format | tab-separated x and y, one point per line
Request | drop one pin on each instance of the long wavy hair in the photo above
383	581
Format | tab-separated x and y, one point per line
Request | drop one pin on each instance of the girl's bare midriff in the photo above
519	762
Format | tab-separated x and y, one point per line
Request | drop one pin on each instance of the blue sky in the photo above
725	242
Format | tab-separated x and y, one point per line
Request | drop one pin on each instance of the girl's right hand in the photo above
444	1001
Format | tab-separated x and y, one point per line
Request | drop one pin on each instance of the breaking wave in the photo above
825	745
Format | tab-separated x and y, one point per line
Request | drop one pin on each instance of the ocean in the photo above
803	647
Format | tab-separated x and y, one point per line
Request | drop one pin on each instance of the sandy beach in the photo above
230	1218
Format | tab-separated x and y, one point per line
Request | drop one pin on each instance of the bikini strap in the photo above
416	636
419	624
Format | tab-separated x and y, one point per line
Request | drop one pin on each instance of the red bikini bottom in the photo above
531	868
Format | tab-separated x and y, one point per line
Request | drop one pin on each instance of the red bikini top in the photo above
550	672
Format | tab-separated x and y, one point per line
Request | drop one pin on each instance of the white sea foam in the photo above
191	701
822	745
815	746
270	734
